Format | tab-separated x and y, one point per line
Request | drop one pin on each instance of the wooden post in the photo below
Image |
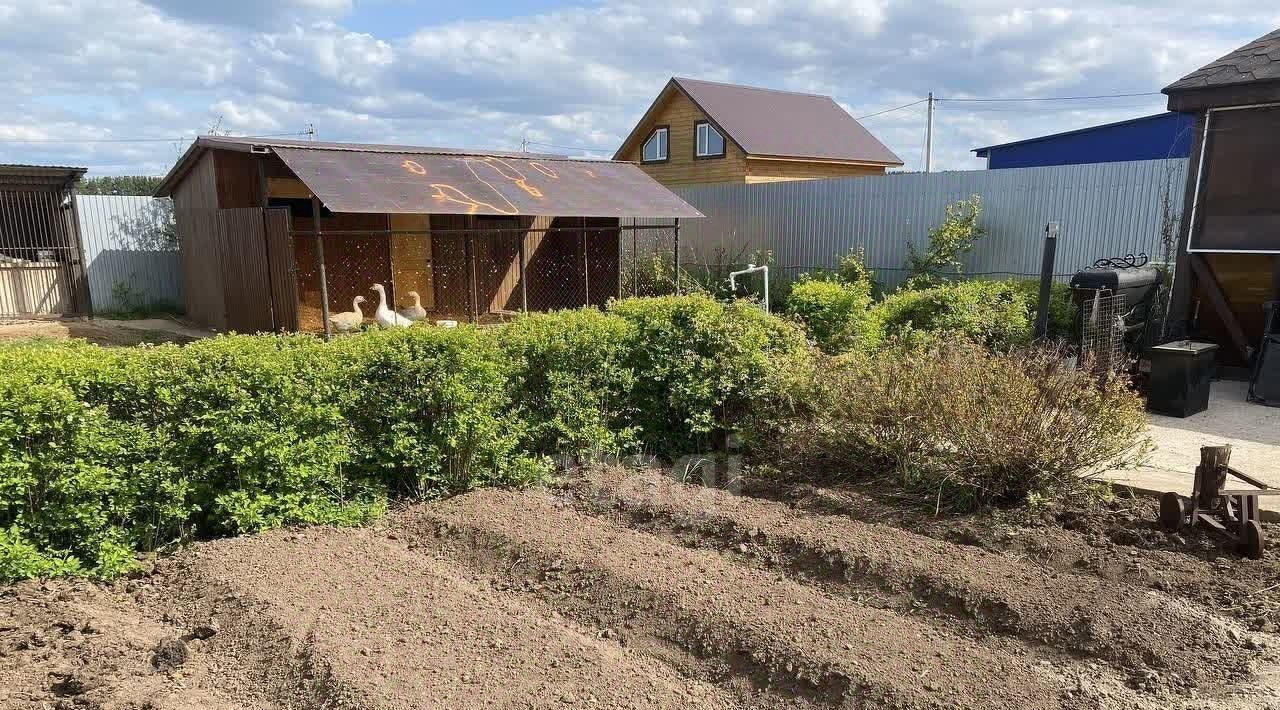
1211	474
676	252
635	261
586	265
524	282
469	256
324	279
263	200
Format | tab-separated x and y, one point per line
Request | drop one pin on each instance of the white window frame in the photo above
664	145
702	137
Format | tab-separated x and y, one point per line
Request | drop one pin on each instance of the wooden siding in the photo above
195	202
411	261
679	114
237	179
244	270
759	170
284	273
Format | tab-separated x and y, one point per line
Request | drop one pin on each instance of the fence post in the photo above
324	280
1046	280
676	256
524	282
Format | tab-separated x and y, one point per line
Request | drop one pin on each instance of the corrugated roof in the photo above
434	183
769	122
380	178
982	151
1255	62
57	172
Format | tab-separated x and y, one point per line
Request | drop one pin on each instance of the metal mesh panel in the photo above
456	267
1102	333
648	260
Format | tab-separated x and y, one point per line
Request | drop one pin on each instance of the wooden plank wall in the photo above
33	288
244	270
411	260
195	202
284	277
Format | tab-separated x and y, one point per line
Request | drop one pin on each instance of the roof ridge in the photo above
753	88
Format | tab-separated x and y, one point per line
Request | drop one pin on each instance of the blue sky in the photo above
85	80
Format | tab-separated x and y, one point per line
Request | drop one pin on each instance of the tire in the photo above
1252	541
1173	511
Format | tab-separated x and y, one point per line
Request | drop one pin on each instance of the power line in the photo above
1059	109
566	147
889	110
1052	98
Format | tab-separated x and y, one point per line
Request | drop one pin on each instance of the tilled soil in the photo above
626	589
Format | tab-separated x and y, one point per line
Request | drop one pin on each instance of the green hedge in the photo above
998	314
105	452
836	313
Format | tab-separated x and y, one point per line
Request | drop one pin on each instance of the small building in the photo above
1156	137
1228	262
41	267
278	235
707	132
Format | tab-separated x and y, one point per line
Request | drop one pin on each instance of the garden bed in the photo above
627	589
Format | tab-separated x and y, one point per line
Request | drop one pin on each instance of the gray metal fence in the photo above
130	253
1104	209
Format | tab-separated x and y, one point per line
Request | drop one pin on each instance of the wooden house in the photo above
707	132
1228	261
278	235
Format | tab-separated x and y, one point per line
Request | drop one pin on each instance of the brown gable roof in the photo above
768	122
1255	62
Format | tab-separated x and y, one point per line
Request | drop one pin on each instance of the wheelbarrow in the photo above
1233	512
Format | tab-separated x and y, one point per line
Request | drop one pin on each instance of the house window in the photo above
708	141
655	149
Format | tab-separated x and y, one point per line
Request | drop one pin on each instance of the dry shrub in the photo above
960	427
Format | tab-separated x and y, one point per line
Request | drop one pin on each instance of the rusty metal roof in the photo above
382	181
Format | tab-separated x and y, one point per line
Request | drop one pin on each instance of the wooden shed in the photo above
41	257
276	235
1228	264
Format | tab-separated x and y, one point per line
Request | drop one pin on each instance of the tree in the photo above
948	241
142	185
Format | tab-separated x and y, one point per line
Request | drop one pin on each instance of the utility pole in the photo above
311	130
928	136
524	145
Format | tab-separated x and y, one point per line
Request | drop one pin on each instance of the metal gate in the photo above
41	270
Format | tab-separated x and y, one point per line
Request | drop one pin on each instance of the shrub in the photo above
1062	311
948	241
702	368
573	381
994	313
835	313
962	427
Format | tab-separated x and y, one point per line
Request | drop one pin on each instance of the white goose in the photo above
386	317
350	320
416	311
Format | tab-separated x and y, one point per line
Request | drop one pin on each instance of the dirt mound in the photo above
1139	630
628	590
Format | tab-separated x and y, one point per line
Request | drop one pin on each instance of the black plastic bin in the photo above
1181	373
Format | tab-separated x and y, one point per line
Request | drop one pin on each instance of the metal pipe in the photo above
751	269
494	230
1046	280
324	279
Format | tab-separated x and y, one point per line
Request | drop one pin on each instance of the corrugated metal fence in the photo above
1105	209
130	253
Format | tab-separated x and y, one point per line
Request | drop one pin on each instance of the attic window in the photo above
708	141
655	149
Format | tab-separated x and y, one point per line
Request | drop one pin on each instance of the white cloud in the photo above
576	76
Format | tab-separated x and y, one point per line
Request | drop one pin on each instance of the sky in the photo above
123	86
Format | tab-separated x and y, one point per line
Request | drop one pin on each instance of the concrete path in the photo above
1252	430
